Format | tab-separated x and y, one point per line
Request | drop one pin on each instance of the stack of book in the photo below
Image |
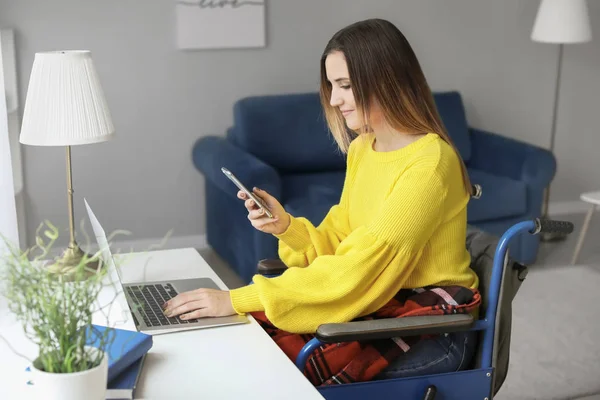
126	355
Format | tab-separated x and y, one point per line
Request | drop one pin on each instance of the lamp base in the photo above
71	259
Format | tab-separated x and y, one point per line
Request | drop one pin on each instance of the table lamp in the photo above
65	106
560	22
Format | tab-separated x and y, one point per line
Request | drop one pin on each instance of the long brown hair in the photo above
383	67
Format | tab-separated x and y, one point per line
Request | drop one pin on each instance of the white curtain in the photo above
8	212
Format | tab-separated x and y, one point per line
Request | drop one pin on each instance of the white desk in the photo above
231	362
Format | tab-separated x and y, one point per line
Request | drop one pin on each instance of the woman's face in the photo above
341	91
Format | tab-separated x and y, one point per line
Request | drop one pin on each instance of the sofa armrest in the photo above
210	153
392	327
512	158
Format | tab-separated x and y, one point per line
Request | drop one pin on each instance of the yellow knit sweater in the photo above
400	223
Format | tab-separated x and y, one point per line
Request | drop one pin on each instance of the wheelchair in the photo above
500	279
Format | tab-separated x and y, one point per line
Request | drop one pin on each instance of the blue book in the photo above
126	347
124	384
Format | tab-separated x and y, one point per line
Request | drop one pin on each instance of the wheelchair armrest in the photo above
271	267
391	327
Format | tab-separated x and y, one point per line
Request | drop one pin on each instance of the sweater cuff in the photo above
246	299
295	236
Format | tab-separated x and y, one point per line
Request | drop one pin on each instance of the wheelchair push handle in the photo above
552	226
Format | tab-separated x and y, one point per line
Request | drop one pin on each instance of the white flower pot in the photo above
88	385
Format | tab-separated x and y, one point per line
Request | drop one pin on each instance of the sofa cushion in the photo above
312	195
501	197
289	132
452	112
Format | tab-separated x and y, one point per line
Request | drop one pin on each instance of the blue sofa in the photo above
281	143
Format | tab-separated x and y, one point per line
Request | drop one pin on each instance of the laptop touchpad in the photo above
185	285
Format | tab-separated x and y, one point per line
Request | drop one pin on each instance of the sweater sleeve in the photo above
302	242
367	269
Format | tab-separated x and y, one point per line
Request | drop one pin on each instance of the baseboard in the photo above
568	207
199	241
176	242
138	245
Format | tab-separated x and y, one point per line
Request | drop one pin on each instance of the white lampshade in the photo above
65	104
562	21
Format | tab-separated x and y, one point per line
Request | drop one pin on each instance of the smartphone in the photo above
240	186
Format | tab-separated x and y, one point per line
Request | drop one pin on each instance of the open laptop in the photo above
145	299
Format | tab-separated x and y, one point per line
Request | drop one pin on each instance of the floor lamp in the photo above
560	22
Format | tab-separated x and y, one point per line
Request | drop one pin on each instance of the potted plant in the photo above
55	304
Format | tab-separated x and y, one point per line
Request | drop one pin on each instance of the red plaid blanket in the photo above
339	363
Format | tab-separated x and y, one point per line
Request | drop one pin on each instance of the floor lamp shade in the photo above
562	21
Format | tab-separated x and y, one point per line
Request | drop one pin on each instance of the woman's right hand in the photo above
259	220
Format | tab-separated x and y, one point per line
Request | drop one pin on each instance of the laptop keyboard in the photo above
148	300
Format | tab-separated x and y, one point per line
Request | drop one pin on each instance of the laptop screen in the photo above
113	290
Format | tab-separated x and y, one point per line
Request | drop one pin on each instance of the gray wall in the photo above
578	134
163	99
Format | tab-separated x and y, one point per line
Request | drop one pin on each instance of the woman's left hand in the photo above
200	303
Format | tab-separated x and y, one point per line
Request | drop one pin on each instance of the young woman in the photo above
395	243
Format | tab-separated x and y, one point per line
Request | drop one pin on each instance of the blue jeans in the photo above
444	353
